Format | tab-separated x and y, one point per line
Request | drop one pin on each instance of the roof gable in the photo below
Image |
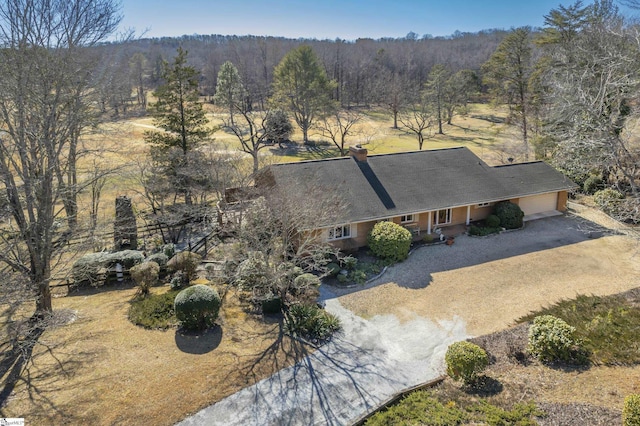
402	183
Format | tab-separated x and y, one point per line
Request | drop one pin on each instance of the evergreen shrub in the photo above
631	410
197	307
465	361
510	215
551	339
389	241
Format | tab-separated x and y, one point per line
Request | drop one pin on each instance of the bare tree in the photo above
418	120
251	133
340	125
280	235
43	80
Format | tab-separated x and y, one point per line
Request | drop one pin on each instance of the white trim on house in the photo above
447	219
342	232
408	218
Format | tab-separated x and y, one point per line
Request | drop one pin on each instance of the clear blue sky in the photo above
330	19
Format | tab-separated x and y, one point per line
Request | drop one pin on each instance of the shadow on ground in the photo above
199	343
537	235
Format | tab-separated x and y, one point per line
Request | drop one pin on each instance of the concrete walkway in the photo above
364	365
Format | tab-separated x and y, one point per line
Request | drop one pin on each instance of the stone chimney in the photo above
358	152
125	231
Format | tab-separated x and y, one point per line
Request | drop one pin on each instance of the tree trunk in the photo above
256	164
43	301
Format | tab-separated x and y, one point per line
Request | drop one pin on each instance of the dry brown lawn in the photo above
102	370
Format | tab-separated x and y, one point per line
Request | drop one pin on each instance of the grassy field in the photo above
120	146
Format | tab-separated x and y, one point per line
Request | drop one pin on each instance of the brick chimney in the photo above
358	152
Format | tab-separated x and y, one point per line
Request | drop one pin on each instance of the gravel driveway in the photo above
397	328
492	281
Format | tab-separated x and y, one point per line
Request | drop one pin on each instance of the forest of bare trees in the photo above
366	71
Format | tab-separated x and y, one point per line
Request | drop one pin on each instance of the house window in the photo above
407	218
480	205
442	217
340	232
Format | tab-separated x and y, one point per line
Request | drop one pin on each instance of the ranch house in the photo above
424	191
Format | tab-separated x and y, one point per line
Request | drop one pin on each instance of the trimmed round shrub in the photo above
492	221
186	262
552	339
465	361
592	184
608	199
389	241
197	307
631	410
510	215
178	281
333	269
145	275
160	259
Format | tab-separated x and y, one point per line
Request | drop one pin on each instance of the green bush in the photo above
186	262
160	258
306	281
178	281
592	184
465	360
631	410
343	279
251	273
127	258
510	215
492	221
349	262
197	307
155	311
481	231
88	268
608	199
145	275
169	250
310	322
552	339
333	269
389	241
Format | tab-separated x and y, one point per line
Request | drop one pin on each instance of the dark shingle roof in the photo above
403	183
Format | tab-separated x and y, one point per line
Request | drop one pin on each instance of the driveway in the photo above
397	328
